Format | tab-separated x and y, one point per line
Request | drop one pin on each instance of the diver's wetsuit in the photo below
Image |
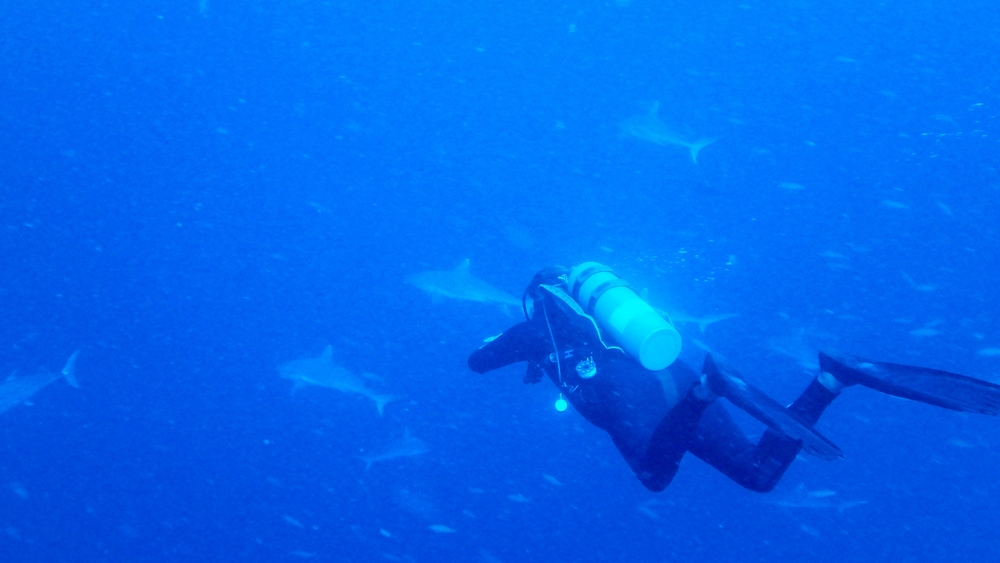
652	417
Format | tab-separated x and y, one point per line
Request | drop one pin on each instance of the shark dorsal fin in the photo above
327	355
655	110
463	268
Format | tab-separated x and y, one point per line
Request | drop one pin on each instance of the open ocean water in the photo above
194	194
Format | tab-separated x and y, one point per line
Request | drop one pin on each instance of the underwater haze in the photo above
200	197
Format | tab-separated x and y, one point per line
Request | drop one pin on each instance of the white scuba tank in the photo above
630	321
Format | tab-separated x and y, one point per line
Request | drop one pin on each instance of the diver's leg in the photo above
935	387
720	442
814	400
726	382
705	428
672	438
775	451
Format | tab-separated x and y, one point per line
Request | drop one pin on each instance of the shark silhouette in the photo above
405	446
822	499
19	389
702	322
322	372
649	127
460	284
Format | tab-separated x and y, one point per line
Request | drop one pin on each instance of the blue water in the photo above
194	194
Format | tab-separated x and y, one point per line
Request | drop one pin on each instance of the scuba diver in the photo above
614	358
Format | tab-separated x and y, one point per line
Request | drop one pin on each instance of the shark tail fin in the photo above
368	461
696	147
703	323
382	400
69	370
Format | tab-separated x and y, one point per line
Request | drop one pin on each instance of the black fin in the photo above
931	386
727	383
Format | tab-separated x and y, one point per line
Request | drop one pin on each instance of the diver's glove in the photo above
534	373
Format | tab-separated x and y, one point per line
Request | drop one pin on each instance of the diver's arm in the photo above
525	341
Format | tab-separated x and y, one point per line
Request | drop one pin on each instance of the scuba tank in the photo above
618	309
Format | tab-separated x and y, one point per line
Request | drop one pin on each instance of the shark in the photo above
822	499
461	285
649	127
321	371
405	446
19	389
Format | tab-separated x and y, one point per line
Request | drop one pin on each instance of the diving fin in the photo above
931	386
727	383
